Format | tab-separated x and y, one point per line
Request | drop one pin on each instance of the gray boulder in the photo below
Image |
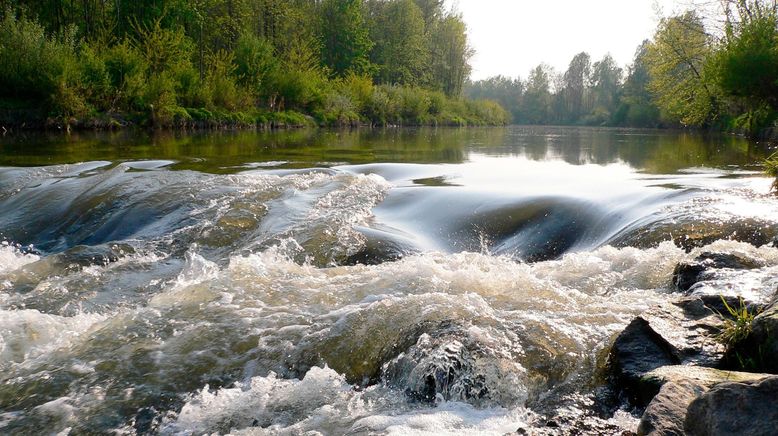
749	408
663	336
666	413
678	387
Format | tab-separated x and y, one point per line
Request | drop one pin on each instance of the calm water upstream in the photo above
370	282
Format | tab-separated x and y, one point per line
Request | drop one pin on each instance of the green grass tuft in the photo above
737	327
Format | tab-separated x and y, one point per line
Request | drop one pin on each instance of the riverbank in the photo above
26	119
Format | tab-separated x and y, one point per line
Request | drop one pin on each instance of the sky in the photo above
512	36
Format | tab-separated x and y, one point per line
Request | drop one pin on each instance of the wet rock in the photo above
666	413
688	274
636	351
700	306
699	375
698	232
677	387
661	337
747	408
453	365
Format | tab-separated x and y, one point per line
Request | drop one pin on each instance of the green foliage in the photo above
345	37
737	326
400	52
32	63
126	68
159	98
240	62
747	63
680	78
221	82
450	56
255	61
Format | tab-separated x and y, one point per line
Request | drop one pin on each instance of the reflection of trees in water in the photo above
653	151
650	150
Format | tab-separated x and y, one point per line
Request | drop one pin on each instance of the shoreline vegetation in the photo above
713	70
238	63
266	64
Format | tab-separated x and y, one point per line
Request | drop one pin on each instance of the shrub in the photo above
339	109
415	105
299	89
255	62
221	81
93	79
159	99
126	70
358	88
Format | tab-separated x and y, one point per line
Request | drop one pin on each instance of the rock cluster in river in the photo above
668	363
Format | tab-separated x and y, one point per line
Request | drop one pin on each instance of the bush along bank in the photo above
155	74
705	364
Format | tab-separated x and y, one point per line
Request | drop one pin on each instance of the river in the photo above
432	281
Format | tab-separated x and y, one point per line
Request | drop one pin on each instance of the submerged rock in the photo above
747	408
454	365
687	274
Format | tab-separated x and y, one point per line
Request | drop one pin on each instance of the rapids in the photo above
394	282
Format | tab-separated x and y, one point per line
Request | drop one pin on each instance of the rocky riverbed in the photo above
672	364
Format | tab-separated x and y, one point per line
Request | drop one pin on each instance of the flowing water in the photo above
369	282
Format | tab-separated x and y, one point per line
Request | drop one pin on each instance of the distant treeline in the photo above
687	75
215	62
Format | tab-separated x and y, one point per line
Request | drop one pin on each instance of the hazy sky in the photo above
512	36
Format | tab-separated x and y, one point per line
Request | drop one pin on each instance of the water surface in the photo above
360	282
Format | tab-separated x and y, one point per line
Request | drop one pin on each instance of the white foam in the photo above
323	403
27	334
12	259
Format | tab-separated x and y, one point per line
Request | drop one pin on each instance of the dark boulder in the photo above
749	408
638	350
663	336
687	274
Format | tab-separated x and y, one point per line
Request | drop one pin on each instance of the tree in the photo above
637	107
450	56
432	10
606	87
575	83
504	90
400	52
537	96
747	63
680	80
345	37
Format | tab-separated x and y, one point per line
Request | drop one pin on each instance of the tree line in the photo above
691	73
179	62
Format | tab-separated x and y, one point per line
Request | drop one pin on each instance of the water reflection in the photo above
656	152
